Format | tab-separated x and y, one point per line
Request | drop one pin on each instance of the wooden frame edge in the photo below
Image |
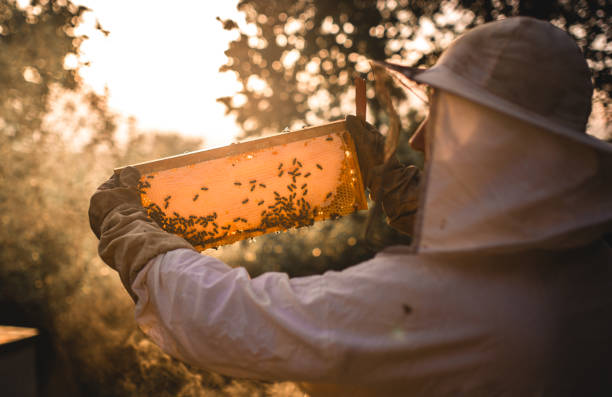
190	158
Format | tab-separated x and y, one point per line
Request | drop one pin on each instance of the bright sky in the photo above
160	63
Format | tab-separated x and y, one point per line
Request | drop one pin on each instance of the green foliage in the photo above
33	44
296	65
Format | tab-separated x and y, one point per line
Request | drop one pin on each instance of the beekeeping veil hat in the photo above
509	163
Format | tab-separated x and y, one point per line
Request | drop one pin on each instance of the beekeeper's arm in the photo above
325	328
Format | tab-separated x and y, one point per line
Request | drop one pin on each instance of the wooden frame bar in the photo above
190	158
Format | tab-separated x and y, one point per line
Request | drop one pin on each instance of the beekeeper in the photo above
507	289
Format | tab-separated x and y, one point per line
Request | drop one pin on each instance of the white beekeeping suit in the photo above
507	290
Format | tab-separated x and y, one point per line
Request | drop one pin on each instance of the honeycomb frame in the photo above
317	166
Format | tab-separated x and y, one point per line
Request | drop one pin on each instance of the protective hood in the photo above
496	183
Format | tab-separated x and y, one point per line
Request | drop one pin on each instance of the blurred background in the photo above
91	85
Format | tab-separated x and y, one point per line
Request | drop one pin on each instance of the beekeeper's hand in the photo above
129	239
370	145
119	189
398	184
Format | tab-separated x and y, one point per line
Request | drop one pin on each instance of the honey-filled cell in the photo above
219	196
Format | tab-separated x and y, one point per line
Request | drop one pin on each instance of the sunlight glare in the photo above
160	63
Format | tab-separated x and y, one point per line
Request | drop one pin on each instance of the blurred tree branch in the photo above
295	62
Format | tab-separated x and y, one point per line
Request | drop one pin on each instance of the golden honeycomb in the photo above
219	196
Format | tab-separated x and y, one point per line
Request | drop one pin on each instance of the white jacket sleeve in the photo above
398	324
201	311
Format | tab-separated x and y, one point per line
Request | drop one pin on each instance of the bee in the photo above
260	203
204	188
294	160
280	166
328	195
246	200
195	197
319	166
329	138
300	164
280	173
150	176
237	183
253	181
262	185
305	192
253	187
307	175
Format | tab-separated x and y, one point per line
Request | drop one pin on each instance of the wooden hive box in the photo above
18	361
219	196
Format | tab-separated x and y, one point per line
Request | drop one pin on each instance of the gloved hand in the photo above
129	239
119	189
396	185
370	145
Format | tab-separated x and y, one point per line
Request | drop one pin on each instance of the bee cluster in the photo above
288	209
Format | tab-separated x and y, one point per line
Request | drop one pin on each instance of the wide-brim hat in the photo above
520	66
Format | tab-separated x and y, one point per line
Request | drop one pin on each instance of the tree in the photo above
34	43
296	63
